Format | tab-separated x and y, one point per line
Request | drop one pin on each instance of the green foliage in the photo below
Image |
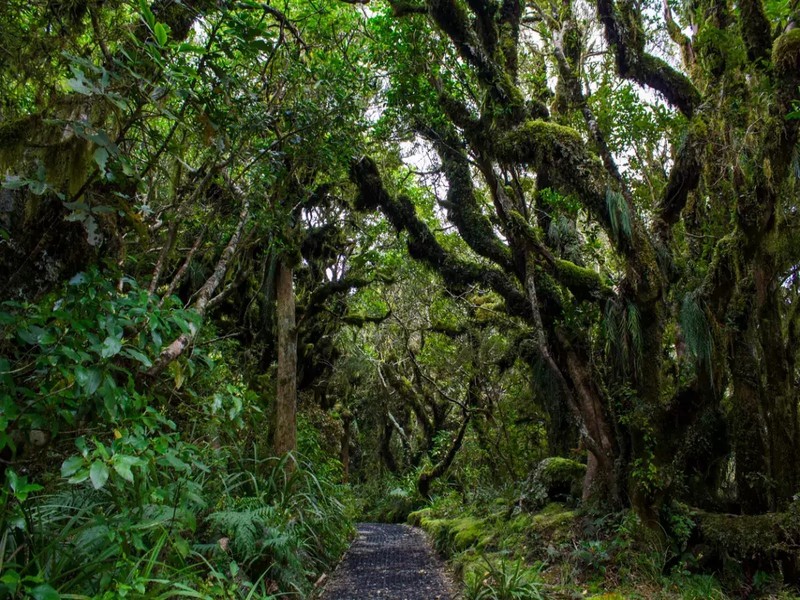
77	355
504	580
389	499
138	501
285	526
696	329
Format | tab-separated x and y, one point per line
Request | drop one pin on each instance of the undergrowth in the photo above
501	552
117	489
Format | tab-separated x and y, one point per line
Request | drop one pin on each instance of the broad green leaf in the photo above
98	474
79	86
135	354
122	465
161	34
101	158
70	354
44	592
11	578
70	466
147	14
79	477
111	347
88	379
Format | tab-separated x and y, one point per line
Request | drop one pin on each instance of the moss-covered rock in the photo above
454	535
555	478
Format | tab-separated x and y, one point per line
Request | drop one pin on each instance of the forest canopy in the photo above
270	266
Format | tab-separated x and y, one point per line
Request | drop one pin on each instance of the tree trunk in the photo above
780	406
431	474
347	419
286	401
750	448
179	344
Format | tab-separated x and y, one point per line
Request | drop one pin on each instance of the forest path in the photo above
389	562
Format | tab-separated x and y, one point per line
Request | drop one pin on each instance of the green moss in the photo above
786	53
14	134
539	143
470	531
415	518
454	535
580	278
720	50
557	468
554	522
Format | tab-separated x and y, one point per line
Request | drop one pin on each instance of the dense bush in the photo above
155	498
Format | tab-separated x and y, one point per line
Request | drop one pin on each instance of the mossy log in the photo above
766	542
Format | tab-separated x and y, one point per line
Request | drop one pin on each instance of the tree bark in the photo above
285	439
347	419
179	344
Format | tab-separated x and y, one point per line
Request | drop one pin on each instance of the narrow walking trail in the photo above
389	562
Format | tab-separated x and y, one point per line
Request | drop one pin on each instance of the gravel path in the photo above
389	562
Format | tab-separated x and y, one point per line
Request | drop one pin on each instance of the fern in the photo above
696	329
618	214
624	340
634	330
246	528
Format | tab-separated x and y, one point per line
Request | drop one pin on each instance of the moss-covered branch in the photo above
626	40
455	22
422	244
758	539
685	173
463	207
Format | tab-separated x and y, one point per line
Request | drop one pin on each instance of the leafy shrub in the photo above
141	507
504	580
390	499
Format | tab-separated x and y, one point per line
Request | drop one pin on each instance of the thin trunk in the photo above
428	476
176	280
286	401
177	347
386	448
347	419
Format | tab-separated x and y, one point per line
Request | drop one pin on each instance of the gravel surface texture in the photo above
389	562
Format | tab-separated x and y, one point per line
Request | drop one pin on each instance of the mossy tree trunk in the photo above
285	436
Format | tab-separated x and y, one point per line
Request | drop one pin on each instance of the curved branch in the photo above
637	65
422	244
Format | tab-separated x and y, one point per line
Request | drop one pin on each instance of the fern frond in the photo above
696	329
